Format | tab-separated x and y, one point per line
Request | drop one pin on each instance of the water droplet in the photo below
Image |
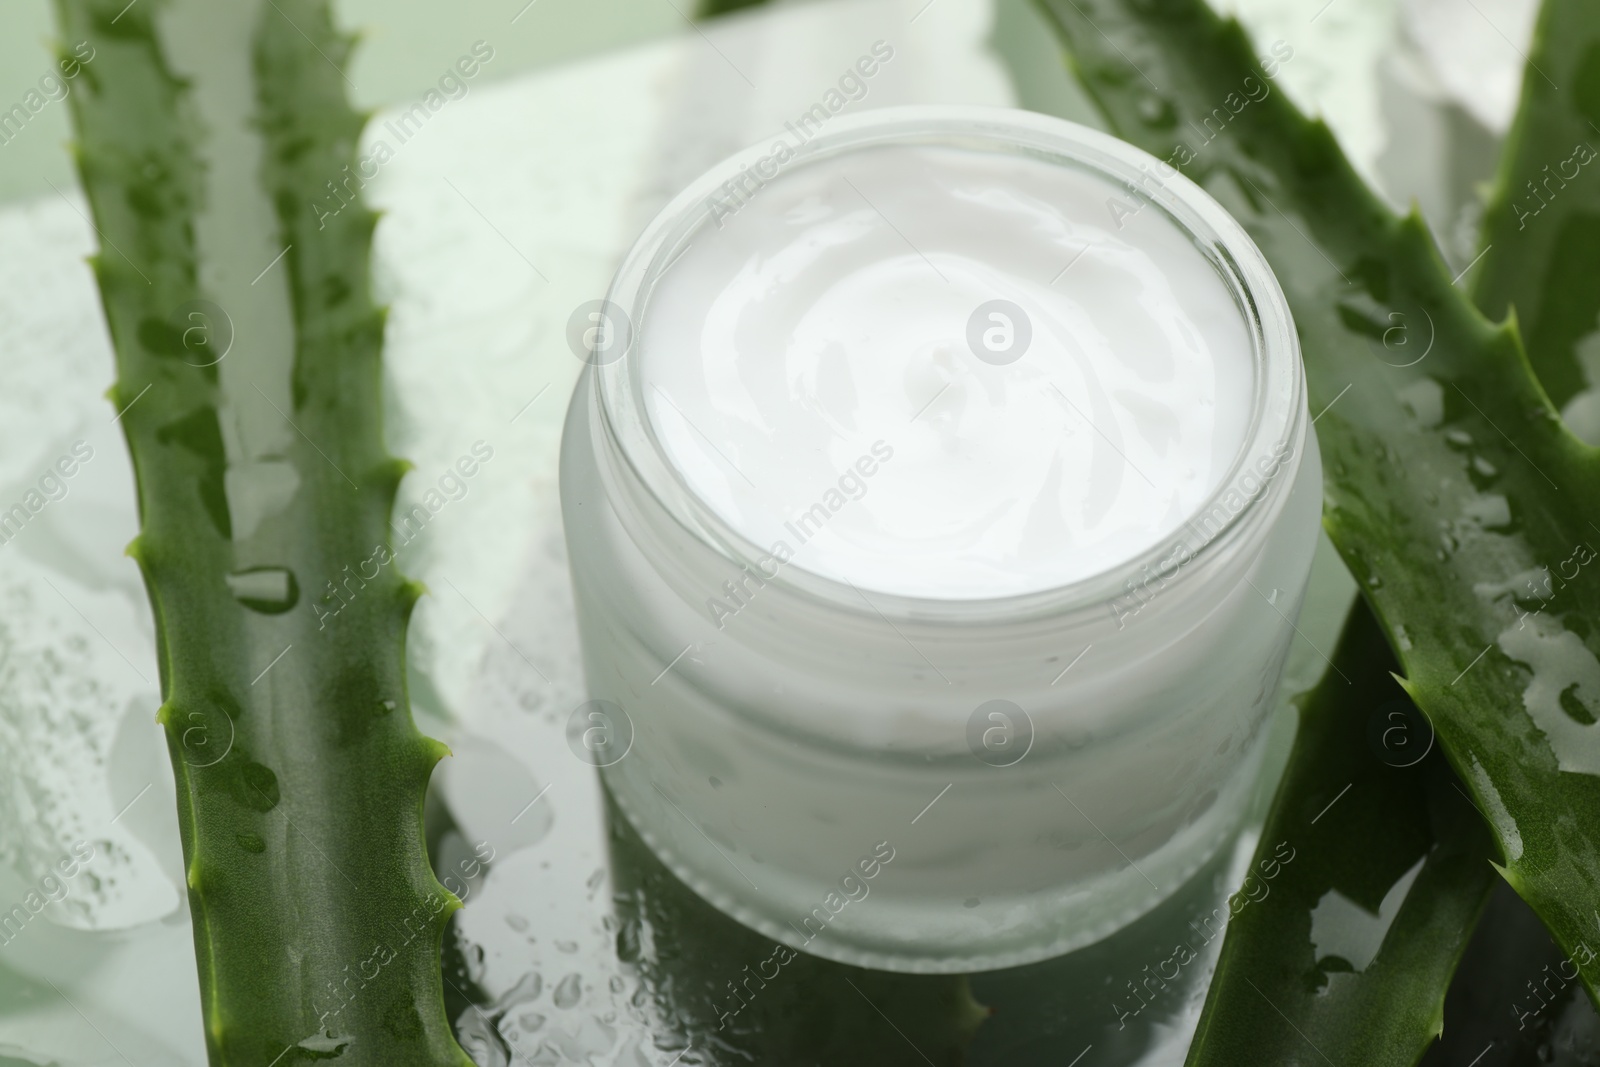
255	786
1157	111
1425	399
716	783
629	948
517	923
1490	510
569	947
1374	581
1484	468
1574	706
530	1021
528	987
617	984
1459	438
384	707
324	1046
269	590
971	902
569	992
1364	315
251	843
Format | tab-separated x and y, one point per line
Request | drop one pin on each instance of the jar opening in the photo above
667	450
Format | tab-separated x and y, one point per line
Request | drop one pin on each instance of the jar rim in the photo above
1275	432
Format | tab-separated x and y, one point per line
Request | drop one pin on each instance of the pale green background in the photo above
408	43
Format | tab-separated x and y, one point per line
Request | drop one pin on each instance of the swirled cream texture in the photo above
828	368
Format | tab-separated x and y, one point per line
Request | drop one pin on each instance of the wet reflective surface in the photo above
656	972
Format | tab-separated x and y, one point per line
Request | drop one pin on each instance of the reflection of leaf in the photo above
316	918
740	998
1405	492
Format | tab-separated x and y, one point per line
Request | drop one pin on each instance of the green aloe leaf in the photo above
235	287
1364	891
1541	228
1457	498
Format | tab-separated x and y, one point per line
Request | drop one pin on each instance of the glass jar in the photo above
931	785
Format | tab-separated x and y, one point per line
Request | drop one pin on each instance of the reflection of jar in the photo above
953	782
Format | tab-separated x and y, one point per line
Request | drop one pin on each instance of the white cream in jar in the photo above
938	516
831	311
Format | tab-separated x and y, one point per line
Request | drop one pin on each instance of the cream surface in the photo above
827	371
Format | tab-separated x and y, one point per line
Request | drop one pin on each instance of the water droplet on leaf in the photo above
1157	111
269	590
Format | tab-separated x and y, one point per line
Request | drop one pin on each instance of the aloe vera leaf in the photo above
1354	939
1458	500
300	775
1541	226
1512	990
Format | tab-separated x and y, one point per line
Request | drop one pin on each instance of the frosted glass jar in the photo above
917	783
